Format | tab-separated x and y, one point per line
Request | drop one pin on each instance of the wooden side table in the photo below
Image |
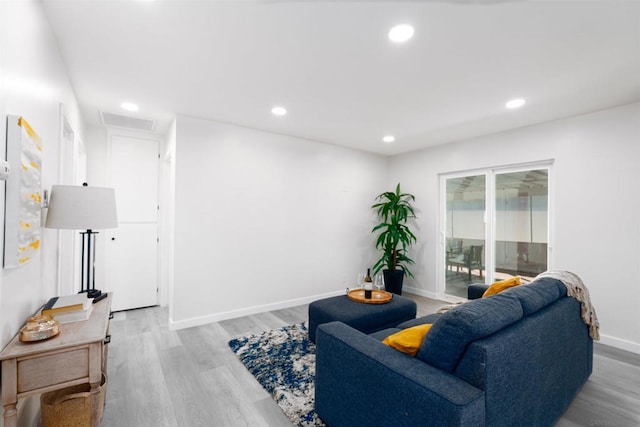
76	356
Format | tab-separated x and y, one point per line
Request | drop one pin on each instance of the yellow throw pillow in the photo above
500	286
408	340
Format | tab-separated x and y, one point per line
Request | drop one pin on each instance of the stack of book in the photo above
69	308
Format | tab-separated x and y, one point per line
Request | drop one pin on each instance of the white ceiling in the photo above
332	66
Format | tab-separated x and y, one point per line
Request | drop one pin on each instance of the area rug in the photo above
284	363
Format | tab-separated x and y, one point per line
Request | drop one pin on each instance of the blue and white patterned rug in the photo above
284	363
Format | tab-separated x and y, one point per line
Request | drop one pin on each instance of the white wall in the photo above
265	221
595	198
167	210
34	83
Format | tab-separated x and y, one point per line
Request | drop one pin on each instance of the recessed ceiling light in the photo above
279	111
515	103
129	106
389	138
401	33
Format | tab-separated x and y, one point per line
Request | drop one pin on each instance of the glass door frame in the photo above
490	212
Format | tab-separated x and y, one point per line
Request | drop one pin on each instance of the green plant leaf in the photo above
394	209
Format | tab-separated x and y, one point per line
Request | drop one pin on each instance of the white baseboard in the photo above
620	344
212	318
432	295
420	292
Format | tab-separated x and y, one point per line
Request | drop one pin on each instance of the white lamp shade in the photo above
81	208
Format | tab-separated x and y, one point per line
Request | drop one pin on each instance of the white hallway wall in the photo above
596	201
265	221
34	82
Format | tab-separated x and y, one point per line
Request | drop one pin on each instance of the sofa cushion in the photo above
457	328
538	294
429	318
408	340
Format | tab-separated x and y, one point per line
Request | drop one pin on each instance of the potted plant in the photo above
394	209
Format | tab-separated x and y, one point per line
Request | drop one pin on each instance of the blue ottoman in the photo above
366	318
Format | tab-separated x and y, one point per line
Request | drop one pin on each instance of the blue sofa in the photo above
513	359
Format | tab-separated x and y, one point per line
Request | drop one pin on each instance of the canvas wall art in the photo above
23	193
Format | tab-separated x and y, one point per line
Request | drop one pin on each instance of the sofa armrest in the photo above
476	290
360	381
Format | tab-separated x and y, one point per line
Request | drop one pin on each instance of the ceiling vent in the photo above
127	122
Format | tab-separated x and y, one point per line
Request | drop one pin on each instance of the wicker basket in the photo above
72	406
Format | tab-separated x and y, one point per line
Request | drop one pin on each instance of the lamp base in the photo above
96	294
100	297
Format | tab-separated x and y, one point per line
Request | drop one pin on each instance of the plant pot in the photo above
393	281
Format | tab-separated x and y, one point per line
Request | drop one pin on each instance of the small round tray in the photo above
377	297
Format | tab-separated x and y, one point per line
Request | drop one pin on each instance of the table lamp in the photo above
83	208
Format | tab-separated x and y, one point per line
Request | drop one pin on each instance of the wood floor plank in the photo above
268	321
617	354
240	326
207	345
136	384
271	413
252	388
598	406
564	422
229	402
427	305
616	376
293	315
189	397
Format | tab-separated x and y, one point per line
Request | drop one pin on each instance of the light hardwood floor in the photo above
190	377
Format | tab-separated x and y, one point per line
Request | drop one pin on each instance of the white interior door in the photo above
132	262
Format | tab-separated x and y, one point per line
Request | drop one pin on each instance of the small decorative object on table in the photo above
377	282
368	285
377	297
39	328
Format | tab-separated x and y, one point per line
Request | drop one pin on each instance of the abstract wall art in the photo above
23	193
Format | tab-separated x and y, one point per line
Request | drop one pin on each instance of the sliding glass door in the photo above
521	223
465	232
495	225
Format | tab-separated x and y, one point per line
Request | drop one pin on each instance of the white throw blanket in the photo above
448	307
576	289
